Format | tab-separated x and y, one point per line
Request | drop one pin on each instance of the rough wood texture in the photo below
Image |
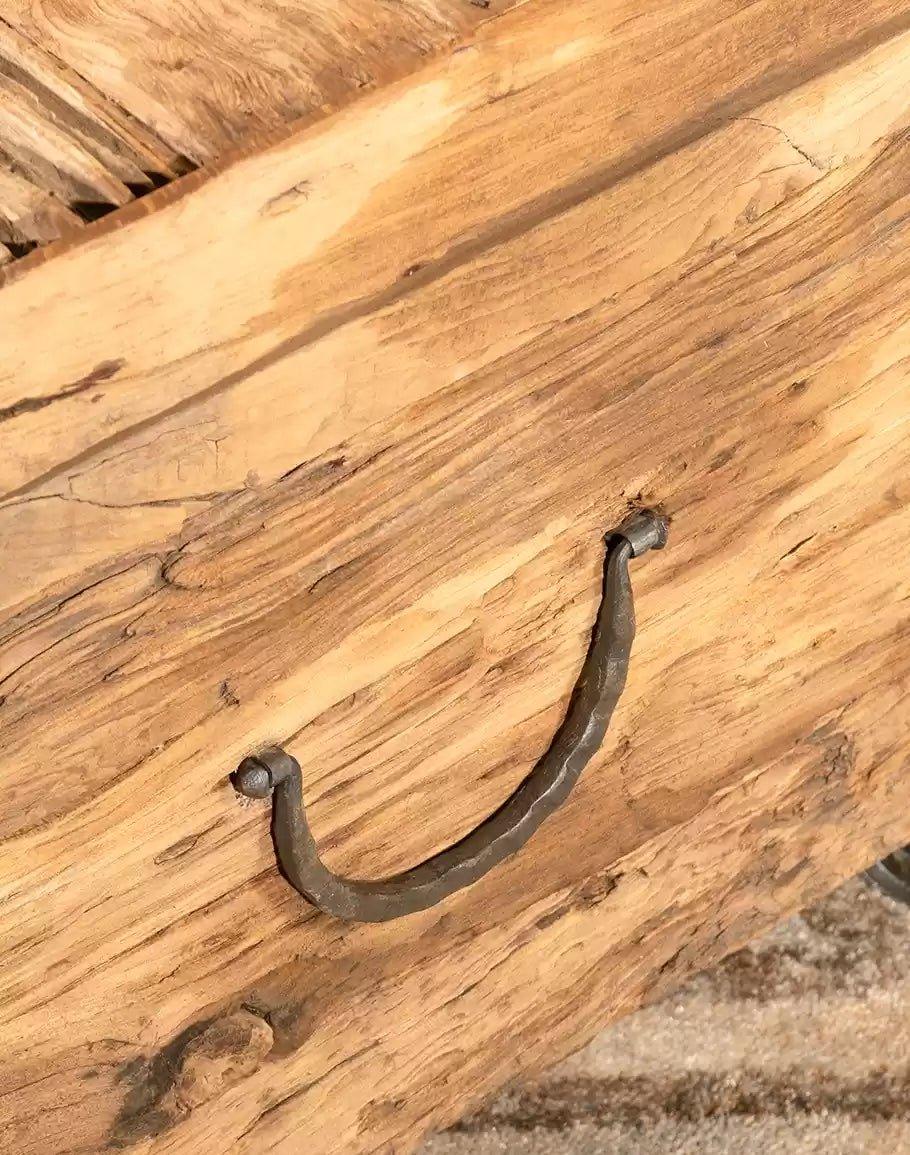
338	482
102	101
324	235
67	154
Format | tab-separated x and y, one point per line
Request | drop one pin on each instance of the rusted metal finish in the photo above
596	693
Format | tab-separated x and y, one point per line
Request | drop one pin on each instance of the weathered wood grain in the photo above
328	228
403	353
70	153
69	102
203	77
453	548
28	213
49	156
380	546
99	102
257	425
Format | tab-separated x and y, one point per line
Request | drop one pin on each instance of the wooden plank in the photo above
50	156
100	103
66	154
452	547
204	78
258	426
329	227
131	152
30	215
428	568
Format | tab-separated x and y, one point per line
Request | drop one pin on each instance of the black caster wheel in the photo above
892	875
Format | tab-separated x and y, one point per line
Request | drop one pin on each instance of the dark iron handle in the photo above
596	693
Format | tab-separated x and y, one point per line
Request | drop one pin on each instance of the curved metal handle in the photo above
597	691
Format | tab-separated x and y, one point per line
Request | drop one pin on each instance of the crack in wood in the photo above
101	373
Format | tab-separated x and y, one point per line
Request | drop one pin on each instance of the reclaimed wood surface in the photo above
100	102
323	457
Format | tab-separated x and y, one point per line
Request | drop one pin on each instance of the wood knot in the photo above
198	1065
228	1050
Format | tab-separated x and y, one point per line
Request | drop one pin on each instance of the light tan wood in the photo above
261	424
204	77
378	543
68	101
66	153
28	213
332	226
100	102
49	155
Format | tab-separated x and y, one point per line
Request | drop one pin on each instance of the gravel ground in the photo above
796	1045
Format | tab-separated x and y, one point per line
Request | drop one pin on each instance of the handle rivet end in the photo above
252	779
645	530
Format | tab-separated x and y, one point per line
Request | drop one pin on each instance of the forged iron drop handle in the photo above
596	693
